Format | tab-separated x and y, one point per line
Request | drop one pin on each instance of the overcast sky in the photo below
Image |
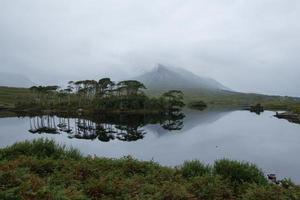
250	46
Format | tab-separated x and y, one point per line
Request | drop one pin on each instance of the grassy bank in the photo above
45	170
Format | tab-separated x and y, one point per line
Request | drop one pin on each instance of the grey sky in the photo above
249	46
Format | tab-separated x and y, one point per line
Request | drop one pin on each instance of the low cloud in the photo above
249	46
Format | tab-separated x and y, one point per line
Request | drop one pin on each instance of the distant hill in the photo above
167	78
14	80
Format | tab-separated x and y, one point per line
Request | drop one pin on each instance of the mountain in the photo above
14	80
167	78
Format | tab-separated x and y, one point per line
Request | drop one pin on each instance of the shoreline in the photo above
289	116
9	112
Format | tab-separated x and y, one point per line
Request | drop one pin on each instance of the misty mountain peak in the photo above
165	77
160	68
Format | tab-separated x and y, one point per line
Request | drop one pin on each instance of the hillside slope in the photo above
167	78
14	80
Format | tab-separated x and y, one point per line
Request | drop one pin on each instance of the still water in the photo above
271	143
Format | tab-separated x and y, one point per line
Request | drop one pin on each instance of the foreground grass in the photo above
44	170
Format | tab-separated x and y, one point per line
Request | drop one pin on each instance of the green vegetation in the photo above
199	105
239	173
44	170
76	93
9	96
194	168
40	149
91	97
236	99
103	95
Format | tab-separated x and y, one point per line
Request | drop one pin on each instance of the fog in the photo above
249	46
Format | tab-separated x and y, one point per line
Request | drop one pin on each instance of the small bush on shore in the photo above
41	148
60	173
239	172
194	168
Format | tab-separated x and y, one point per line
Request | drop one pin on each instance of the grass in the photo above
238	100
43	148
42	169
9	95
194	168
239	172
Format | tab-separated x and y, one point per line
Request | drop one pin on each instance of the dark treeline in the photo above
102	95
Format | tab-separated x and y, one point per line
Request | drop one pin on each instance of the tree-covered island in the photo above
105	95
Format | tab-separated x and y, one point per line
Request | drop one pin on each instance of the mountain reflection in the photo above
124	127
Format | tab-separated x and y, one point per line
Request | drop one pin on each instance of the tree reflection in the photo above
43	124
124	127
174	121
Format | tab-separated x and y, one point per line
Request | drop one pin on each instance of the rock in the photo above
258	108
272	178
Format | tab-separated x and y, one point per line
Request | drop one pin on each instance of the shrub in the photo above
271	192
194	168
210	187
172	190
239	172
47	175
41	148
10	194
43	167
9	180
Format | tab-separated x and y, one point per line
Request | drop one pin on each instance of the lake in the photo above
273	144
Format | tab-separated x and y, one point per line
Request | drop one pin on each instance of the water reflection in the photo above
208	135
43	124
105	128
